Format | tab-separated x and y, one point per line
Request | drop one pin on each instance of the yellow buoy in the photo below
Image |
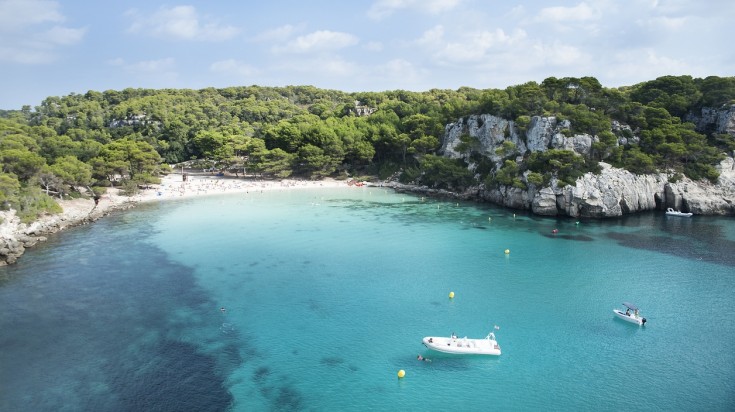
401	373
451	295
507	251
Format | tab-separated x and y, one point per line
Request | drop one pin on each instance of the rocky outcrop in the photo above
720	120
704	198
612	193
16	237
617	192
489	132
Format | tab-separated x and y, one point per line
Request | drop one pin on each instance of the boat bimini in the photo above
463	346
634	317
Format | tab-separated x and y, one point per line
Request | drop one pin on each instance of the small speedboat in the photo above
672	212
463	346
634	317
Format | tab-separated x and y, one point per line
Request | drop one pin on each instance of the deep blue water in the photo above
327	294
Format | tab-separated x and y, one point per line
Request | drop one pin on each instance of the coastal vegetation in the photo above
78	144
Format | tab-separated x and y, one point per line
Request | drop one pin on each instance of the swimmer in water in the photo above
222	309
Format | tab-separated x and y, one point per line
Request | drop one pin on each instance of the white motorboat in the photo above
627	316
672	212
463	346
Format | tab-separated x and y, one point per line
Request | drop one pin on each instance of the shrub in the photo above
34	203
129	188
536	179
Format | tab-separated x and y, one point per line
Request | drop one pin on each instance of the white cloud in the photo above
664	23
399	74
323	40
326	65
384	8
557	54
152	66
25	55
279	34
396	67
25	33
233	67
17	14
432	37
633	66
180	23
63	35
470	46
336	66
580	12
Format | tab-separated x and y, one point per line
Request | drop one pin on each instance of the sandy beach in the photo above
173	187
16	236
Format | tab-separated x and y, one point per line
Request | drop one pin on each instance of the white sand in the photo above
173	187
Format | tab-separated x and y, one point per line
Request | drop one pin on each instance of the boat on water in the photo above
627	316
463	346
672	212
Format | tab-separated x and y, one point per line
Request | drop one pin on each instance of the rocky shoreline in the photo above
613	193
16	237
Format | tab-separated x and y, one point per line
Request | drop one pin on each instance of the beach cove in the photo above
327	293
15	237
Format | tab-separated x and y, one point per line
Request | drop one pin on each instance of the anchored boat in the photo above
672	212
463	346
634	317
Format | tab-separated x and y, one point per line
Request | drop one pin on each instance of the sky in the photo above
58	47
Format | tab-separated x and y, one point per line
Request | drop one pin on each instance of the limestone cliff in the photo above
614	192
490	132
720	120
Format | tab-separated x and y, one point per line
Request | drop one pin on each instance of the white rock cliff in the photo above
612	193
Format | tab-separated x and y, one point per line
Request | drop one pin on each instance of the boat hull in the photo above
638	320
462	346
672	212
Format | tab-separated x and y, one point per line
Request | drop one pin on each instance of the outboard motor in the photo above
643	322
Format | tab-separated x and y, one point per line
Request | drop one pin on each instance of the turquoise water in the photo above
327	294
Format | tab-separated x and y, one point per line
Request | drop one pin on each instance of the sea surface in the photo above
314	299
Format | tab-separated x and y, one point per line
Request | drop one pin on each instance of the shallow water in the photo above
328	292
